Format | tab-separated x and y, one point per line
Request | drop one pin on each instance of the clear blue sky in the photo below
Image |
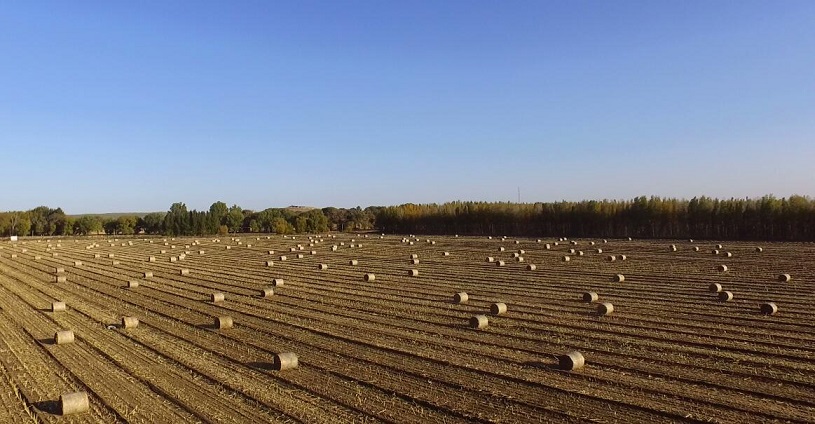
131	106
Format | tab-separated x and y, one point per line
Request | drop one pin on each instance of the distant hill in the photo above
113	215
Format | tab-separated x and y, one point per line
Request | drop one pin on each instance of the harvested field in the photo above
397	348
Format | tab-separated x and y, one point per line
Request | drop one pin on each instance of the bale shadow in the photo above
48	407
44	309
209	326
47	341
262	366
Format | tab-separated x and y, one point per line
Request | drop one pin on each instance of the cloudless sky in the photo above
113	106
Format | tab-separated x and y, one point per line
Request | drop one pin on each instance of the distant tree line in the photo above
219	219
767	218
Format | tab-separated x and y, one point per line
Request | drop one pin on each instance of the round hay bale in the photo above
148	274
515	255
722	268
97	256
719	246
611	258
151	259
58	306
599	251
322	267
629	239
111	255
725	296
61	279
784	278
278	282
490	259
715	251
618	278
501	249
460	297
498	308
285	361
414	261
130	322
73	403
759	249
413	273
300	256
216	297
728	254
572	251
267	292
184	271
269	263
715	288
334	248
132	284
695	248
768	308
282	258
566	259
313	252
353	262
369	278
672	248
445	253
590	297
519	259
77	263
63	337
500	263
571	361
173	259
623	257
580	253
531	267
547	246
479	322
223	322
414	256
605	308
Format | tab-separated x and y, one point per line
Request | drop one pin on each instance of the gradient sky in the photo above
131	106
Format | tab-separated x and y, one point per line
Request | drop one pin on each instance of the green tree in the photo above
234	218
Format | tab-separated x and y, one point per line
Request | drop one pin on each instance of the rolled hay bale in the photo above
269	263
519	259
278	282
572	251
521	252
58	306
313	252
282	258
162	251
334	248
267	292
768	308
531	267
97	256
547	246
611	258
173	259
784	278
690	240
722	268
61	279
223	322
715	251
413	273
353	262
285	361
566	259
479	322
714	288
227	247
37	257
300	256
490	259
580	253
414	256
725	296
629	239
148	274
498	308
573	243
414	262
515	255
292	249
501	249
590	297
695	248
728	254
461	297
322	267
77	263
130	322
111	255
599	251
571	361
445	253
200	252
216	297
605	308
672	248
500	263
369	278
719	246
623	257
759	249
73	403
591	243
184	271
618	278
63	337
132	284
151	259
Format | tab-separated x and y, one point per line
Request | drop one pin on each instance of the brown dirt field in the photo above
398	349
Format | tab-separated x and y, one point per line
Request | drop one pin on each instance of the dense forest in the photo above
767	218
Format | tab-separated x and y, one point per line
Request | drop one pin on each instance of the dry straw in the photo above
216	297
223	322
571	361
61	279
286	361
58	307
130	322
132	284
184	271
64	337
74	403
148	274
